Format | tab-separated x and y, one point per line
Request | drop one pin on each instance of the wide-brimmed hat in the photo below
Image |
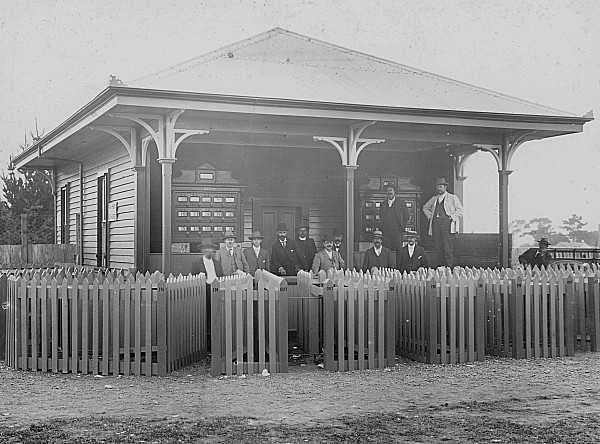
544	241
282	227
409	233
256	235
229	234
328	237
441	181
377	233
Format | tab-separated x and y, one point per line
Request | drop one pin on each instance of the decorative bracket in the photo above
350	148
48	173
173	141
504	153
130	145
460	161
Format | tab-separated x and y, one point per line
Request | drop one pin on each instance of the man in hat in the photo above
412	256
284	260
444	211
327	258
393	215
378	256
231	258
337	242
207	264
305	247
256	256
537	256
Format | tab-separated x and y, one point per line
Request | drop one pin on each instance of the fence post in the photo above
161	328
390	315
216	319
593	313
328	325
569	321
516	318
283	325
431	321
481	318
24	241
3	310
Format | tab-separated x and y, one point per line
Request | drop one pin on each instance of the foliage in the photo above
573	226
571	230
542	227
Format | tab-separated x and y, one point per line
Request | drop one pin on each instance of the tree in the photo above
542	227
573	226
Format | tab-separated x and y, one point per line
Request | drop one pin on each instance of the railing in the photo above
89	322
249	327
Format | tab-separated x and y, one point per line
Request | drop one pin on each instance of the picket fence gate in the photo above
89	322
249	325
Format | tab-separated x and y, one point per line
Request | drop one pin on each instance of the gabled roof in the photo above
285	65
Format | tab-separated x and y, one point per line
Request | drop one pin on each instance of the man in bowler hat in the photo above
231	257
256	256
444	211
327	258
537	256
284	260
412	255
378	256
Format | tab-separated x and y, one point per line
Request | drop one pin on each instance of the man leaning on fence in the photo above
537	256
231	257
327	258
378	256
256	256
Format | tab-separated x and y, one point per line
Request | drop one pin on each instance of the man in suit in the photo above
327	258
231	258
337	243
256	256
412	256
378	256
444	211
393	215
284	261
537	256
305	247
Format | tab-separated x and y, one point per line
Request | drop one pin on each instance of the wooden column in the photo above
503	173
141	216
167	173
350	215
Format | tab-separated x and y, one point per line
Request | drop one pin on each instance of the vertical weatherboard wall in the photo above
114	159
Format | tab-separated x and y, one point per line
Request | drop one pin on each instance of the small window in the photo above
194	228
206	176
229	214
230	199
218	229
218	214
206	214
182	228
206	199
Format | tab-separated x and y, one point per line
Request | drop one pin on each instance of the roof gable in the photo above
281	64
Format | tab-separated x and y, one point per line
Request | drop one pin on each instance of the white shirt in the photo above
302	238
441	197
230	251
377	251
391	202
209	266
411	250
329	253
256	250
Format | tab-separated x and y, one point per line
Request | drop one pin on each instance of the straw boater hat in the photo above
282	227
256	235
409	233
441	181
544	241
229	234
377	233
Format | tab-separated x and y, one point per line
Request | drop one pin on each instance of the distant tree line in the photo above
572	230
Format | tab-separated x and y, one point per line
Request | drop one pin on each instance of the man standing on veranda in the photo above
444	211
305	248
232	260
393	214
378	256
256	256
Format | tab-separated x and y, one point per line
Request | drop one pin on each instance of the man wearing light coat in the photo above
444	211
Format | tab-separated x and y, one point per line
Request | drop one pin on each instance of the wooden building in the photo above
276	128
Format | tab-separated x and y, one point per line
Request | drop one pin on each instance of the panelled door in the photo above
273	216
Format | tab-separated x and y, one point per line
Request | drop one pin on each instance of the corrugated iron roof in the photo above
286	65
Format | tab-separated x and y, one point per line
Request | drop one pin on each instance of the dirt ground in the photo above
496	401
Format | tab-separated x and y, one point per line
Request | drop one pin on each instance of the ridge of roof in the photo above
213	54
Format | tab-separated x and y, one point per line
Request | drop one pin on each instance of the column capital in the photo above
167	160
461	178
505	172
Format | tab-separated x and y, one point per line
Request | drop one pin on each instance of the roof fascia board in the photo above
245	105
85	116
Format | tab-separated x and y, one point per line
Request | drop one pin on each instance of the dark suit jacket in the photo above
395	216
198	267
341	251
263	261
530	257
386	259
305	250
285	258
418	260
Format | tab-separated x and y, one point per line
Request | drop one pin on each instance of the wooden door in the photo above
273	216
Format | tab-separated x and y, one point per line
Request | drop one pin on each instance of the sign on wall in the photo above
112	211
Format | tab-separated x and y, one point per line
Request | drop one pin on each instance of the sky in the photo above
55	56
